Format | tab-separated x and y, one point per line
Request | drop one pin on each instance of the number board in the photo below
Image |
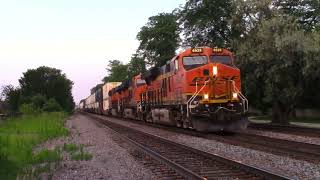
217	50
197	50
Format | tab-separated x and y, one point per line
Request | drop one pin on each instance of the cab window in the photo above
194	61
140	82
222	59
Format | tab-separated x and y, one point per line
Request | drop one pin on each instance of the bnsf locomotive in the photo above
199	88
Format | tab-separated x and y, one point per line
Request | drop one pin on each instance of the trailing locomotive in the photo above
199	88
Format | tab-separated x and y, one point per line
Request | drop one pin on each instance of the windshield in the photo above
222	59
140	82
194	61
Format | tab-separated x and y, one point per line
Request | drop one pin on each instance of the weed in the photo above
18	136
47	156
81	156
70	147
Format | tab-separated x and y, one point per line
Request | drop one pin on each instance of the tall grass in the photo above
18	136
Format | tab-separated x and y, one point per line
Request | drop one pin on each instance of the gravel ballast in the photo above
109	159
290	137
282	165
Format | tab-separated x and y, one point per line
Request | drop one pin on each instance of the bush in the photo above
28	108
52	106
70	147
47	156
38	101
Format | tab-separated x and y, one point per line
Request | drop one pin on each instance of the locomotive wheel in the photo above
178	123
149	117
178	120
185	125
140	116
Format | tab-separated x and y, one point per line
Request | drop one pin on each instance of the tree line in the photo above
276	44
42	89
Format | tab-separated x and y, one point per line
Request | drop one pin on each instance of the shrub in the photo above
52	106
38	100
28	108
47	156
81	155
70	147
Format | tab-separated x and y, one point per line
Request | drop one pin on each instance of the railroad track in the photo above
292	129
187	162
296	150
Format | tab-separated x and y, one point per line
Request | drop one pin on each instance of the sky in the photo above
76	36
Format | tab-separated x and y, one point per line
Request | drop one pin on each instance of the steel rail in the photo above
183	171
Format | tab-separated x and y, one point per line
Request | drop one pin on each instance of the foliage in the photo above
50	83
311	84
18	137
11	97
28	109
70	147
47	156
117	71
159	39
205	22
136	65
51	106
81	155
38	101
276	59
245	18
307	12
77	153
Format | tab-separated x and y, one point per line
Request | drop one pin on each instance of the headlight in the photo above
215	70
235	95
206	96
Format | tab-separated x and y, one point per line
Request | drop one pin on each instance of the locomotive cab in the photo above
213	90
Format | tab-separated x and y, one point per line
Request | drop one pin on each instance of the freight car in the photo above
199	88
99	101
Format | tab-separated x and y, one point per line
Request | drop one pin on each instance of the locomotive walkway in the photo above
183	162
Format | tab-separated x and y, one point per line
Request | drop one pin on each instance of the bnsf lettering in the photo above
201	79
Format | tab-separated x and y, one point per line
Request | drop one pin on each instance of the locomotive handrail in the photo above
242	97
195	95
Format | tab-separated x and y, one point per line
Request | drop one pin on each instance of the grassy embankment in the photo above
18	137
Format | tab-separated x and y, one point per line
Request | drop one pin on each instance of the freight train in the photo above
200	89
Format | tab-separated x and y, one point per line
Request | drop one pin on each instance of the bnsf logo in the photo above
202	79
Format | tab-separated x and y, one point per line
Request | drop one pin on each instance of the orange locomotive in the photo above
199	88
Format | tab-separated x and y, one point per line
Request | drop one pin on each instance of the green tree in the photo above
159	39
117	71
206	22
307	12
50	83
275	59
136	65
52	106
28	108
311	70
38	100
11	96
246	16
